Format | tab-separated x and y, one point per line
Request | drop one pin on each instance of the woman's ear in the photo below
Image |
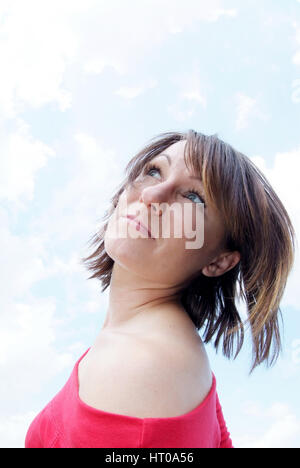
222	263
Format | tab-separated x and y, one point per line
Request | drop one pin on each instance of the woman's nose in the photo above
151	198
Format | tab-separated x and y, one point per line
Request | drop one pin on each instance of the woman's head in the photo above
248	236
162	197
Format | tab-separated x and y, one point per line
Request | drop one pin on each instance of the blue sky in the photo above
84	85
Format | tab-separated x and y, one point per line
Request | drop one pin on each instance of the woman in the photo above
147	381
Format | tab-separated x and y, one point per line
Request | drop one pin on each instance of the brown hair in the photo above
257	226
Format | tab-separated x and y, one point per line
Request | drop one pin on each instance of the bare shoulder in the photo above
178	375
166	378
156	377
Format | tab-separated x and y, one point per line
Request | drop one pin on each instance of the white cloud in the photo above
179	114
131	92
36	46
27	330
41	41
275	427
247	108
296	56
191	94
232	13
175	23
28	351
84	195
23	257
96	65
195	96
124	39
283	176
22	157
27	323
13	429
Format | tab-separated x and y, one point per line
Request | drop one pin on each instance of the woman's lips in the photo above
140	225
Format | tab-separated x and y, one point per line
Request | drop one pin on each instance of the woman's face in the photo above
165	259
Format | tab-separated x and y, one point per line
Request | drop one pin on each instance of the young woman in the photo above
147	381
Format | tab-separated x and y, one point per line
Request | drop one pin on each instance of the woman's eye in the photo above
194	192
152	168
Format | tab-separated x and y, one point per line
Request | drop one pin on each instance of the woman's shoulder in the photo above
178	339
158	375
187	355
179	360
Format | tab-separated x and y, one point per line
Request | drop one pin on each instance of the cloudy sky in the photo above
83	85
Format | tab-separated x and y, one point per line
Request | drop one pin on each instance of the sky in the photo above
84	84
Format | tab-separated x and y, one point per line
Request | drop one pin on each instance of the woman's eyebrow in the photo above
170	164
167	156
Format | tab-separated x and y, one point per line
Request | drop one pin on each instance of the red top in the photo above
68	422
